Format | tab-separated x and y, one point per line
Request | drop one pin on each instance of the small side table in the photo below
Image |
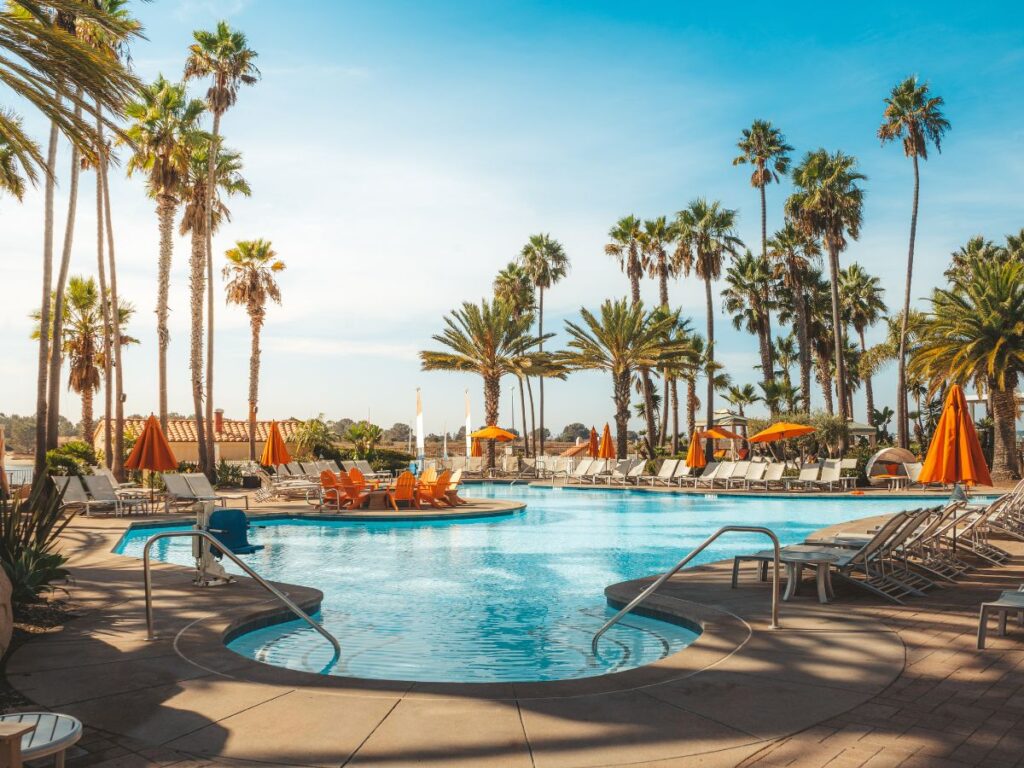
795	562
50	734
1008	602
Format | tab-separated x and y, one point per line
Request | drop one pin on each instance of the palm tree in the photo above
861	296
112	44
682	366
656	238
828	204
14	170
164	134
764	147
974	250
229	182
820	334
706	234
785	355
915	116
747	296
514	287
545	260
741	397
488	339
974	333
224	56
250	271
794	257
622	339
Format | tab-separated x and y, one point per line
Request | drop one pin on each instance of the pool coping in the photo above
687	692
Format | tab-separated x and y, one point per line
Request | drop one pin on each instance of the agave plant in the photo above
28	534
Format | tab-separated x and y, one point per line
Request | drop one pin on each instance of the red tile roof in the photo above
235	430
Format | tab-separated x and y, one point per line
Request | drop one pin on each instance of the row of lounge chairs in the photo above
99	493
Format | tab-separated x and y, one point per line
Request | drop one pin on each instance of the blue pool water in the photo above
501	599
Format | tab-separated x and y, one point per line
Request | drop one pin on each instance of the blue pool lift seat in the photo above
231	528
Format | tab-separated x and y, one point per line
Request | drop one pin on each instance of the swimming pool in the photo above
501	599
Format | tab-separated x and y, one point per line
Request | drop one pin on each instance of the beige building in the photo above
232	436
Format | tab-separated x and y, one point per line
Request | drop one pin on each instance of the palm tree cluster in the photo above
69	59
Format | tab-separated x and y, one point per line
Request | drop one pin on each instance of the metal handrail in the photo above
678	566
248	571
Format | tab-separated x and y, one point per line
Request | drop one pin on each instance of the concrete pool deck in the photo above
857	682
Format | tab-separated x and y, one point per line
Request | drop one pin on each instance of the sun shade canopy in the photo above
493	433
781	431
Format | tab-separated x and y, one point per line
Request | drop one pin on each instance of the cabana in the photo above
888	464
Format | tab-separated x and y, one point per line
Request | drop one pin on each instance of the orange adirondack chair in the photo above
437	492
404	490
332	493
358	478
453	489
428	477
354	496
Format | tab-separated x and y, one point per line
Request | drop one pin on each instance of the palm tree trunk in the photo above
492	401
634	279
691	406
533	423
540	382
1004	417
44	307
101	272
87	415
622	382
522	407
825	379
210	189
709	406
56	352
869	393
764	339
663	298
674	388
804	342
837	333
255	323
117	466
165	207
652	422
197	285
902	438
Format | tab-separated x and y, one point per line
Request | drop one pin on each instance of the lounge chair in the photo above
364	466
351	495
119	487
453	489
808	477
72	490
200	485
103	493
664	475
737	476
773	476
598	470
635	473
580	470
618	473
436	493
295	470
722	474
831	476
755	471
474	465
684	473
710	470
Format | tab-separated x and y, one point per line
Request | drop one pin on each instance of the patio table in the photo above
51	734
795	561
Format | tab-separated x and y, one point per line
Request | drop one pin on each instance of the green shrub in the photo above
28	533
80	450
386	459
59	464
228	475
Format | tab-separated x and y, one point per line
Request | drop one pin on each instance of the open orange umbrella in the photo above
695	458
954	455
781	431
151	450
275	452
720	433
494	433
592	448
607	449
476	450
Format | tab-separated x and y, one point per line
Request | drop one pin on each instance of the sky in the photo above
401	153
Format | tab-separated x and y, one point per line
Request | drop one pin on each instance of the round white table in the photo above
795	562
52	735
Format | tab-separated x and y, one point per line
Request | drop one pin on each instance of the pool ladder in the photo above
679	566
147	576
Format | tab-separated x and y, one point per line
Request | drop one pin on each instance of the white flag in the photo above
469	427
421	441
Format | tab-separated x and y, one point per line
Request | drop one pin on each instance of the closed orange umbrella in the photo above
592	449
275	452
494	433
607	448
781	431
476	450
954	455
151	450
695	458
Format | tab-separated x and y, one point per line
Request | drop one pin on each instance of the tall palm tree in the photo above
828	204
164	133
228	182
863	306
489	340
514	287
785	355
915	116
251	274
14	170
656	239
974	250
545	260
621	339
682	366
820	334
794	257
974	333
748	297
224	56
764	147
707	232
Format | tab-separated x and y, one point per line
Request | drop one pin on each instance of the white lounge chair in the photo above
738	476
618	472
755	472
725	470
773	475
710	470
597	469
808	477
831	476
684	472
103	494
580	470
665	473
200	485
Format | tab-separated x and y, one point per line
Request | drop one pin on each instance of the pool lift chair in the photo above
230	527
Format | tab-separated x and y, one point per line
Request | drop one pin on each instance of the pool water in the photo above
514	598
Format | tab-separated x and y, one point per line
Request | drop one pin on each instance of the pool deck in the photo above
857	682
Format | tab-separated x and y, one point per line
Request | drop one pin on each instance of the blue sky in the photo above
400	153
